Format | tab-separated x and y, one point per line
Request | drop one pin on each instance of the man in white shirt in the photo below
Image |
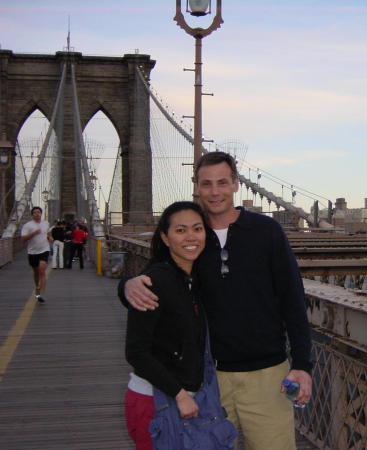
35	233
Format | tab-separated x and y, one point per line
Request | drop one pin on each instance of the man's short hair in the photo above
213	158
36	207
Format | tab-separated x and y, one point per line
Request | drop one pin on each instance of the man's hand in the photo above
138	295
305	385
186	405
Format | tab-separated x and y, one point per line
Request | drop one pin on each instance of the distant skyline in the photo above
289	77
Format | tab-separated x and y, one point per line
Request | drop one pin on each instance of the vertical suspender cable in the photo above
93	209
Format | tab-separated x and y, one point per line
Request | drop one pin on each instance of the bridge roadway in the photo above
62	366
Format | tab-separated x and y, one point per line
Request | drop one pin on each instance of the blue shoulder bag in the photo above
211	430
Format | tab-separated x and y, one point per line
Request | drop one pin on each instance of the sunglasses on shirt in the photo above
224	270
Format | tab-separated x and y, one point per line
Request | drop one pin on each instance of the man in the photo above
35	233
79	237
253	296
68	243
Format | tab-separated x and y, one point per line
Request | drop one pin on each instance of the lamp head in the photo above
198	7
5	151
4	158
45	194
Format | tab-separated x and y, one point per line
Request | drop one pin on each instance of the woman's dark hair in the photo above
159	250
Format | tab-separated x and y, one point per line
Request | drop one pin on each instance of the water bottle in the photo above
291	391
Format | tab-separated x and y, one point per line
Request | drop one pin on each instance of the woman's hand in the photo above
187	405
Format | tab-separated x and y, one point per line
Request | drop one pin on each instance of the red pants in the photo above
139	411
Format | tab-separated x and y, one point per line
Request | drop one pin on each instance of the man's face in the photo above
36	215
216	187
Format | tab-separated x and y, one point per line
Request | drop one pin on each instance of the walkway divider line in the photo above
17	331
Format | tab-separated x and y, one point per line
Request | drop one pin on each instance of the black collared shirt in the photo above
251	308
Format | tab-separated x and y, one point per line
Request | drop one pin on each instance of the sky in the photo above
289	77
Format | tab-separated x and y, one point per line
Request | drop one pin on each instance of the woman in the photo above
166	346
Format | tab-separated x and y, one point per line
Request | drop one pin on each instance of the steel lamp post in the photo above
45	195
198	8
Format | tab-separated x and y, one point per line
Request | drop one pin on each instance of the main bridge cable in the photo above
255	188
115	195
171	144
290	186
173	122
93	208
20	208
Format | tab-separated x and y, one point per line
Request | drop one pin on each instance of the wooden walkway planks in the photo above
63	388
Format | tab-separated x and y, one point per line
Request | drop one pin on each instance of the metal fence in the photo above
336	417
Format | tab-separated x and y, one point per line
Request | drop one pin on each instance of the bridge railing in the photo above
6	251
112	256
336	417
135	254
8	247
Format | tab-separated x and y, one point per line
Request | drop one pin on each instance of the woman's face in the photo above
185	238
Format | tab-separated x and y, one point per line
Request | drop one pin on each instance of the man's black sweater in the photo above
250	309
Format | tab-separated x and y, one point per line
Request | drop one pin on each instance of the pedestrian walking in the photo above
58	238
78	237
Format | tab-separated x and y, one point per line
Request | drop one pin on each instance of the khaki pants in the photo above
255	404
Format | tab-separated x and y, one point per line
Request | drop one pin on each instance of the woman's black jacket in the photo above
166	346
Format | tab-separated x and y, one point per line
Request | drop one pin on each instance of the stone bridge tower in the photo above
109	84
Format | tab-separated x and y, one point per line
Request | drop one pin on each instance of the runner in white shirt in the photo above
35	233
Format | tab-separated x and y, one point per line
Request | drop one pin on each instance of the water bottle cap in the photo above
286	382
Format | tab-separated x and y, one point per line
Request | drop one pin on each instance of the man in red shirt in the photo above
78	237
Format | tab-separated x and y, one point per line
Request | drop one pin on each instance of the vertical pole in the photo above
99	256
198	100
106	217
2	200
330	211
197	106
316	214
